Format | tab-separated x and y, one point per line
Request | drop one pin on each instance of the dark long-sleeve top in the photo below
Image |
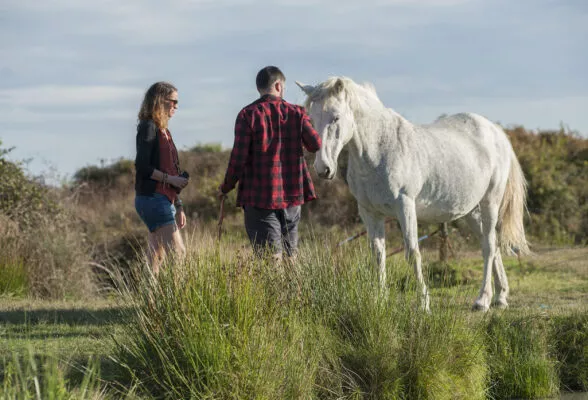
148	158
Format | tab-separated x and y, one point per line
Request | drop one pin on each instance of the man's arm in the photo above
239	153
310	138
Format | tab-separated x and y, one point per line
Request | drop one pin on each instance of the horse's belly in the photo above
436	215
445	208
445	199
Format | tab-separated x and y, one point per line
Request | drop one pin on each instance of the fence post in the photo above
443	245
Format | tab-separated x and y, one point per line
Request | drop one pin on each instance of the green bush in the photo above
555	164
106	175
40	239
207	148
22	199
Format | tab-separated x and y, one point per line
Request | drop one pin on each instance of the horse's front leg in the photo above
377	238
408	223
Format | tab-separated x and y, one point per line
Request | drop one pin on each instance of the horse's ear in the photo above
308	89
338	87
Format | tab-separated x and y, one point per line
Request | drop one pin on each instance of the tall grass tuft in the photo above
49	262
519	357
340	293
13	277
570	338
444	356
31	376
204	331
235	327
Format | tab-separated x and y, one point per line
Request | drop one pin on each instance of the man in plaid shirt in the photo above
268	162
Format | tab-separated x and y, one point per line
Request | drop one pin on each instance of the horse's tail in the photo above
512	209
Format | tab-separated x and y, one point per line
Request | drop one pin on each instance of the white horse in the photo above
461	165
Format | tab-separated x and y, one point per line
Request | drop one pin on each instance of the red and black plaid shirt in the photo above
268	159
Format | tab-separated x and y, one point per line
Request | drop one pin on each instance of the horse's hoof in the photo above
480	307
500	304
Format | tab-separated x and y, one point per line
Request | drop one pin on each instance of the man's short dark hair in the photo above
268	76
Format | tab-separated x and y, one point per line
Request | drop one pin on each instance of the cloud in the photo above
66	95
151	23
78	69
533	113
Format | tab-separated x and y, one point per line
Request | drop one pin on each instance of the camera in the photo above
186	175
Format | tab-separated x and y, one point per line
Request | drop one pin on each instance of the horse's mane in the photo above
360	97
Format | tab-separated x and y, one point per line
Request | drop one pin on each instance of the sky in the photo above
73	73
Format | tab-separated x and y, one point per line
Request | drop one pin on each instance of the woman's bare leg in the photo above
156	252
161	241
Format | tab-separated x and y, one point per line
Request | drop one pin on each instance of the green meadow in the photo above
223	325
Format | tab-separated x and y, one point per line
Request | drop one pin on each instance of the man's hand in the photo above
180	217
219	192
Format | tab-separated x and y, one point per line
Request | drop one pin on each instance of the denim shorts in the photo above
155	211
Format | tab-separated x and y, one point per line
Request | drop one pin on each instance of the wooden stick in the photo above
349	239
360	234
399	249
221	217
451	248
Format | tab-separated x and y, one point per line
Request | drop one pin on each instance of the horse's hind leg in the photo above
408	223
377	237
489	213
501	288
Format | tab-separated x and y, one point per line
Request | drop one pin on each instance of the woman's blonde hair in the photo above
154	103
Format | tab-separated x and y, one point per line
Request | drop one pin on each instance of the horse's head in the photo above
333	119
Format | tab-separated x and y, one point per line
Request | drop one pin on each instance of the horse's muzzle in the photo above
327	173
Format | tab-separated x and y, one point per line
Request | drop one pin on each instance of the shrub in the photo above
22	199
555	164
106	175
41	239
207	148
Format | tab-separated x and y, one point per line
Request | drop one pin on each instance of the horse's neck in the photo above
378	132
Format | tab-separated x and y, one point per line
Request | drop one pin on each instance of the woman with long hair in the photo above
158	179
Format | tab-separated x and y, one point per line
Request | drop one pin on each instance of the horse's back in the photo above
469	132
464	124
466	154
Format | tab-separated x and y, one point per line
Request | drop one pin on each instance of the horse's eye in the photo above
335	119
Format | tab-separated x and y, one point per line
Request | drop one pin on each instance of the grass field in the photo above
318	330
